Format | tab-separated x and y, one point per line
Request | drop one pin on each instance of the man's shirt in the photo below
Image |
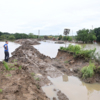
6	47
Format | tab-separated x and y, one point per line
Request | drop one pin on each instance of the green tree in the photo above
31	35
70	39
91	36
97	33
64	37
82	35
3	37
60	37
11	37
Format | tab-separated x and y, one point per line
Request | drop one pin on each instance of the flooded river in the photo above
71	86
50	48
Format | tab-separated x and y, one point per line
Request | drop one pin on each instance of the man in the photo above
6	51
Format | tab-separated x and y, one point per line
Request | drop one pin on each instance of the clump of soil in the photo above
61	96
18	84
27	41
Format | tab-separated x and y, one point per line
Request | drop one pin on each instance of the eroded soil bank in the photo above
74	65
25	83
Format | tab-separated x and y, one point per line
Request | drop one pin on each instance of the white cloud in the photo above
50	16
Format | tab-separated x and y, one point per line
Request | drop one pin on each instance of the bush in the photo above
67	38
72	48
77	51
88	71
70	39
11	37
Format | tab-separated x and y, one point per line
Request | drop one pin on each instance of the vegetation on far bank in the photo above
8	36
88	36
85	35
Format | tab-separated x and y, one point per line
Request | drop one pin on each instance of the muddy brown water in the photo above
50	48
73	88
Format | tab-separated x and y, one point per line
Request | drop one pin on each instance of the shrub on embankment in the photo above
88	71
79	52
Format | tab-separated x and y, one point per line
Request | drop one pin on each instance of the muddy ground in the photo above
18	84
25	83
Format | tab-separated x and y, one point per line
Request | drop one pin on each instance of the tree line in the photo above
84	35
10	36
88	36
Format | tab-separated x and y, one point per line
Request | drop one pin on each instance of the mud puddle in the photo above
73	88
49	90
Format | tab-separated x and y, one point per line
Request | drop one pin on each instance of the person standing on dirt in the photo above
6	51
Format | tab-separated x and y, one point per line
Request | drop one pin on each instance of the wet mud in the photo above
18	84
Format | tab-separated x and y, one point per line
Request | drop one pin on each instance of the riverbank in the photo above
74	66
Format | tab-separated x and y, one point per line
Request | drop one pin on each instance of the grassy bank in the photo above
78	51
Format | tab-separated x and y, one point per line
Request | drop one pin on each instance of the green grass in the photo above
38	86
88	71
6	65
8	75
33	74
78	51
1	90
12	68
37	79
14	60
66	62
20	67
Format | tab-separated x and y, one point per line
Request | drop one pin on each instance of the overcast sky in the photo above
48	16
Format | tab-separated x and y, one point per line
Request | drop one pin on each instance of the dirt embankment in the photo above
18	84
26	83
74	65
27	41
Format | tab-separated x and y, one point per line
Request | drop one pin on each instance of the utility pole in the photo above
92	27
38	33
72	34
